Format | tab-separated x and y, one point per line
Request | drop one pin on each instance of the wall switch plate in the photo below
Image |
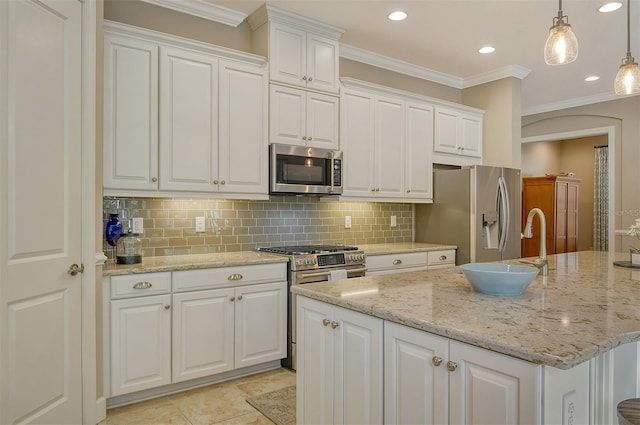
394	221
347	222
138	225
200	224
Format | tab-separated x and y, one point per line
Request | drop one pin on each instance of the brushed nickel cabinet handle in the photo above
235	276
397	262
443	257
142	285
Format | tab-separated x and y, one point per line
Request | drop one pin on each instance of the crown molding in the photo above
572	103
203	9
267	12
391	64
516	71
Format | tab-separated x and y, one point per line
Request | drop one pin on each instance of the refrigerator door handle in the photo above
503	213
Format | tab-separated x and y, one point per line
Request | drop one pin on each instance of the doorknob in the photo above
74	269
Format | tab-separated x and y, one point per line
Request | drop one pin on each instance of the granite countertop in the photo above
585	307
191	262
401	247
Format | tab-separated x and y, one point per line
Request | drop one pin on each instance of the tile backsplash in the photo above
238	225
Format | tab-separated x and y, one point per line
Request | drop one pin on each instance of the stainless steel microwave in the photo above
305	170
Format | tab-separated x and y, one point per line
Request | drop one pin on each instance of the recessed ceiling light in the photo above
487	49
610	7
592	78
397	15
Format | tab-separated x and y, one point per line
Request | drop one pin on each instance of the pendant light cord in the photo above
628	27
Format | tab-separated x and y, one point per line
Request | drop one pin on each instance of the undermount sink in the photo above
506	280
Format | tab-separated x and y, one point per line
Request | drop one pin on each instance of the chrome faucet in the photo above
541	261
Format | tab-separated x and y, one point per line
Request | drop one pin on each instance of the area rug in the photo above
279	406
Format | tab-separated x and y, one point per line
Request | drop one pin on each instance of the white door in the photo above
389	137
322	121
322	63
287	115
261	323
471	136
446	131
416	381
356	142
188	120
203	340
419	151
287	62
140	343
243	146
40	210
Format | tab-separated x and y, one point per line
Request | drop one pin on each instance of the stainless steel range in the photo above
315	263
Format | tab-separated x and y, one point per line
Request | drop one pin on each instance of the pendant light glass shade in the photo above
628	76
562	44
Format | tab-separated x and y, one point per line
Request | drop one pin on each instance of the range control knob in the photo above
300	262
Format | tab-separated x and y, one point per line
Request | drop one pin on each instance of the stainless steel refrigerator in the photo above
477	208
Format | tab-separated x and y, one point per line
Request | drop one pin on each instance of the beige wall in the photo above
623	115
573	155
501	100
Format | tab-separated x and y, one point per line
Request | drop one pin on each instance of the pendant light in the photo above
628	77
562	45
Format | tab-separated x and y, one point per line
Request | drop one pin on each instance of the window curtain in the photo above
601	199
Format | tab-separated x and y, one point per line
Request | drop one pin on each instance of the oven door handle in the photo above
303	275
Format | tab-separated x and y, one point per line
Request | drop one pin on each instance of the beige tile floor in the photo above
222	403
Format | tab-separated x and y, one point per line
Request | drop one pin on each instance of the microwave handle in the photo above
331	171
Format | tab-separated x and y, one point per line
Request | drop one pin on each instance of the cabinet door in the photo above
322	121
287	54
471	136
188	120
357	143
561	217
416	379
358	389
322	63
446	131
261	323
203	335
140	343
419	152
130	114
491	388
389	142
287	115
243	144
315	349
573	196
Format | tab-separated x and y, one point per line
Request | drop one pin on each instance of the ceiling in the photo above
443	36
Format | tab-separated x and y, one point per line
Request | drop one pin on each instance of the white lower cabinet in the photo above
140	343
340	365
434	380
410	261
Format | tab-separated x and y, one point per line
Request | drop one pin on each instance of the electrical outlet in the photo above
138	225
394	221
347	222
200	224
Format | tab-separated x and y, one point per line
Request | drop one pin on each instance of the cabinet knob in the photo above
377	189
304	137
215	182
223	182
397	262
304	78
154	179
239	297
436	361
408	190
167	306
235	276
232	299
373	189
334	324
452	366
325	322
309	138
310	78
462	148
443	257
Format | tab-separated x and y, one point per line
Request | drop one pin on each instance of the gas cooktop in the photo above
307	249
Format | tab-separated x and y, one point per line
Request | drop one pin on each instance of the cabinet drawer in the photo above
140	285
435	258
396	261
190	280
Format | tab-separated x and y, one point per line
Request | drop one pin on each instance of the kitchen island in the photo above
573	333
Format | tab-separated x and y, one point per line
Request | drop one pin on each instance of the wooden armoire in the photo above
557	197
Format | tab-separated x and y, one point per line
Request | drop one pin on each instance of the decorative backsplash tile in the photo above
236	225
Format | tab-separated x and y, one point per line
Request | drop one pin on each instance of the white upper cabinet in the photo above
209	103
387	142
302	52
130	113
303	118
458	136
188	120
